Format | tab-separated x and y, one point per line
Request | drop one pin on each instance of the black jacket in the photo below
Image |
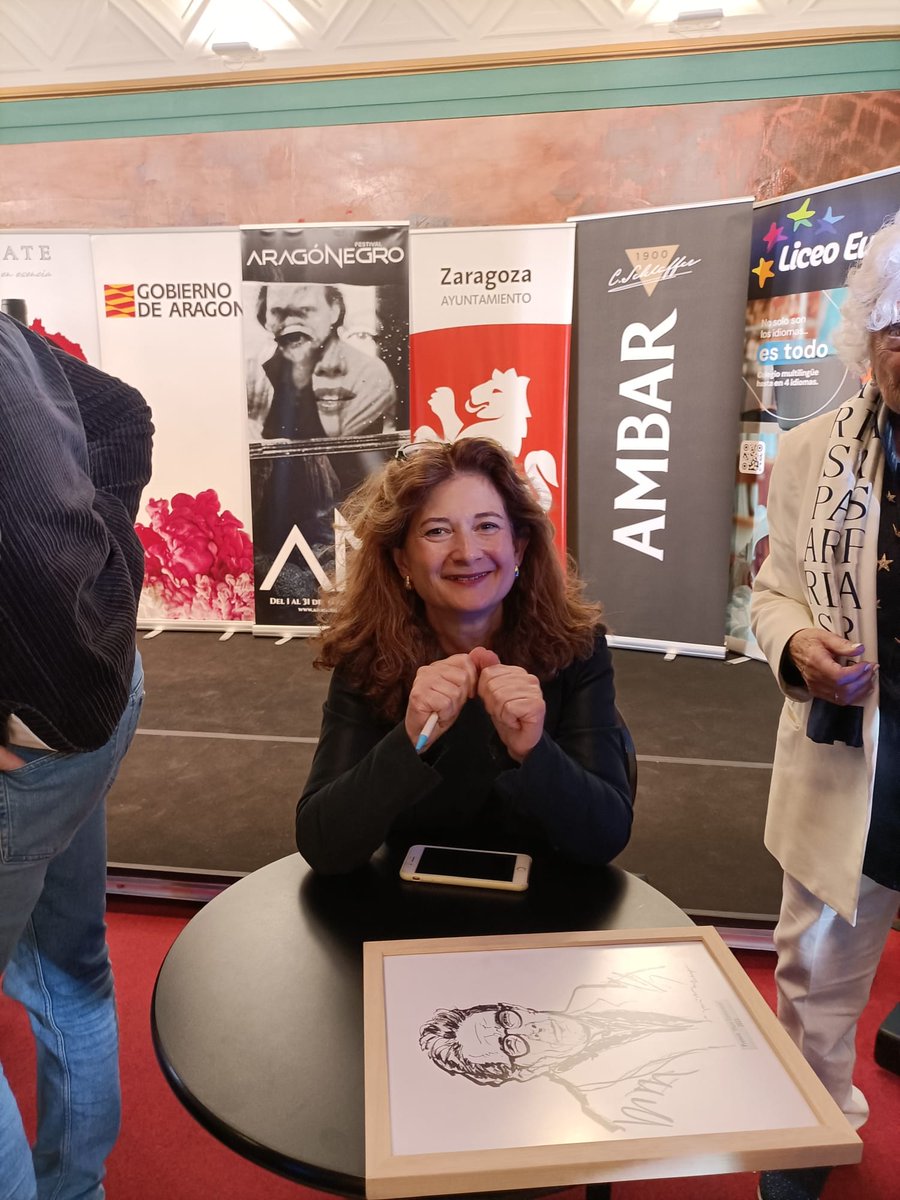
571	793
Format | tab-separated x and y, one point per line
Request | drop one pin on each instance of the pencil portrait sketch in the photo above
493	1044
510	1061
554	1046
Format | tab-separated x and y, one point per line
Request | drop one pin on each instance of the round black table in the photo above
258	1006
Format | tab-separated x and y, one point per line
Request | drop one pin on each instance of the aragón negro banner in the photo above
326	345
491	315
803	246
658	329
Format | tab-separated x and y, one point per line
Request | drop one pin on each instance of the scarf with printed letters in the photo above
838	529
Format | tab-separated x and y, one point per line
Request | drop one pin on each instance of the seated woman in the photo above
456	605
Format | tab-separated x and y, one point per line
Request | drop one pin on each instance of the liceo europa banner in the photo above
803	246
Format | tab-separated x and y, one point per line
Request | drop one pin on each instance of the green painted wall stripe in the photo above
683	79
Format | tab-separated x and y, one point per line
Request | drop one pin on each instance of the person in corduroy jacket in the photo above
75	448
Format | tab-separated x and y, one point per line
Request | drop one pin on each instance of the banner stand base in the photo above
694	649
670	649
160	882
285	631
151	626
741	646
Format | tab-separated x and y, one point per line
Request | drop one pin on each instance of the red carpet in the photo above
163	1154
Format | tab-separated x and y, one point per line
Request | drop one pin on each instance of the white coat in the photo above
821	796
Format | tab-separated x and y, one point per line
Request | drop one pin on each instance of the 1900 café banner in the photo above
490	329
326	345
659	322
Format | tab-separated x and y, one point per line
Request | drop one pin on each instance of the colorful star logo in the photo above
764	270
801	216
828	221
775	235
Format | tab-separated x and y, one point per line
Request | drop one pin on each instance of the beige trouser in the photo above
824	976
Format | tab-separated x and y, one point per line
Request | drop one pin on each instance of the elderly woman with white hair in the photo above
826	612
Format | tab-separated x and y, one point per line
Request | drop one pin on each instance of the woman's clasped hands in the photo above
511	696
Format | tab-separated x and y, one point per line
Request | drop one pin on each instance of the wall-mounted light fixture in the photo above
699	21
235	54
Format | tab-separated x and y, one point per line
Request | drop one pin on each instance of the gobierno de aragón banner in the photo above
658	326
159	309
168	309
803	246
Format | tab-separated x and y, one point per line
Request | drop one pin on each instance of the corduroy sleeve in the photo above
70	561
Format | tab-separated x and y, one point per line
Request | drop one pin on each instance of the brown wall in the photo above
466	171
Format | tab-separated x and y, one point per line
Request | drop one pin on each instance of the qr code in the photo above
753	458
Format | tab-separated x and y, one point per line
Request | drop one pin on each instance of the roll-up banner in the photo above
490	328
47	283
658	329
803	246
326	355
169	312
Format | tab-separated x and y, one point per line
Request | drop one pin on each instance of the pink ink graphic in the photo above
198	561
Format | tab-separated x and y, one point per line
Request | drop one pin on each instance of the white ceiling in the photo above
60	43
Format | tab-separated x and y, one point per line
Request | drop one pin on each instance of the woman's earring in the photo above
516	572
407	583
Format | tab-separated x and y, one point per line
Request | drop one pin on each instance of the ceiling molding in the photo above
481	62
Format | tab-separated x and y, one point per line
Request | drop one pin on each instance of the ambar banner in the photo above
326	345
803	246
658	329
491	315
168	306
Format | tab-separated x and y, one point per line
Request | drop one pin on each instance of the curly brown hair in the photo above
377	632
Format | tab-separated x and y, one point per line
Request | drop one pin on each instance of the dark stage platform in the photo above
229	728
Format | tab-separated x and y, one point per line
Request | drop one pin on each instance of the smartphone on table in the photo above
466	868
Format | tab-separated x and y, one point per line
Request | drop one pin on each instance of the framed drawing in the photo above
555	1059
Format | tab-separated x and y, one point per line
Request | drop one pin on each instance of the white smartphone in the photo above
466	868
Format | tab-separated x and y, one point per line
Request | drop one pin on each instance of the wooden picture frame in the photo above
663	1061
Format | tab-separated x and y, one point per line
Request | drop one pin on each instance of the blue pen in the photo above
427	731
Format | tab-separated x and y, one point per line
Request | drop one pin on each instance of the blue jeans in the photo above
55	962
